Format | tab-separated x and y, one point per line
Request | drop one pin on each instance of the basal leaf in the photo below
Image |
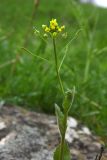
66	155
60	119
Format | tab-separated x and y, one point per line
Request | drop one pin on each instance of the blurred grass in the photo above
30	82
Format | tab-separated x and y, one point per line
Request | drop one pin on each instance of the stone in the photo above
2	126
27	135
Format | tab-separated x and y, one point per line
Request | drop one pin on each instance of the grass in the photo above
26	81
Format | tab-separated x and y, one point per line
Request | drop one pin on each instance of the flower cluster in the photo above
53	28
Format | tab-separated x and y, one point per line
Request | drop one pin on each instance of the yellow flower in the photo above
53	23
59	29
62	27
47	29
53	28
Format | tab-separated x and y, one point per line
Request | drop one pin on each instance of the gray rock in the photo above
26	135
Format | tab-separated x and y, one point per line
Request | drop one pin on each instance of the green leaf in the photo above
66	154
60	119
68	100
34	54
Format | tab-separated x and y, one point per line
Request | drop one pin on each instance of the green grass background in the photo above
31	82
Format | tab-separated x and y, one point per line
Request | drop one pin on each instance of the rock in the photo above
26	135
72	123
2	126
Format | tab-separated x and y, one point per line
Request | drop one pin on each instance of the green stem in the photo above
62	89
56	65
63	138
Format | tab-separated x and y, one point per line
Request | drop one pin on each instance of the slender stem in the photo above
62	89
56	65
63	138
